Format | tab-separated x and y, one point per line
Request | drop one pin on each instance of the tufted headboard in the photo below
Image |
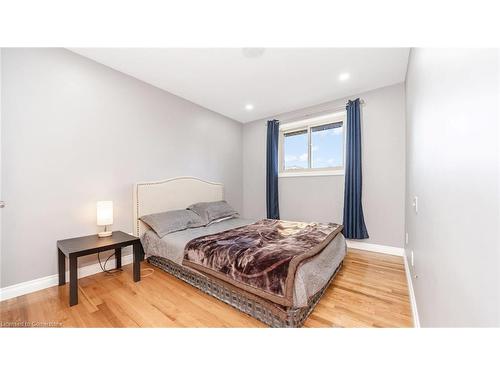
172	194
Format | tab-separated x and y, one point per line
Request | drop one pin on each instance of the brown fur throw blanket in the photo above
261	258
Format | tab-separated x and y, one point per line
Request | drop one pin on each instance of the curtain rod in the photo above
317	114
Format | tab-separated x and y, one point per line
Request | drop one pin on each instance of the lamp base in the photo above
104	234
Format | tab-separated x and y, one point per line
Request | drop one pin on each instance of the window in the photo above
312	147
296	150
327	146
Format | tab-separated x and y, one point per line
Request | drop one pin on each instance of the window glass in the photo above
327	146
295	150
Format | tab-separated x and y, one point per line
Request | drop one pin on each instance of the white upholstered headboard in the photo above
172	194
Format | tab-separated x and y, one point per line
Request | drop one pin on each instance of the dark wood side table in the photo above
80	246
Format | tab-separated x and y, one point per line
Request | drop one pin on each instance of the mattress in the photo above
311	276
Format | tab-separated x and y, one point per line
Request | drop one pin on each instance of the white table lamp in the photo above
105	216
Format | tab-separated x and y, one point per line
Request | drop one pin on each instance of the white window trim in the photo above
307	124
313	172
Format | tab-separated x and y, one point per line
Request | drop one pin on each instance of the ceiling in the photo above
272	80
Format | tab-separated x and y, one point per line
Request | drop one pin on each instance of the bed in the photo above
311	277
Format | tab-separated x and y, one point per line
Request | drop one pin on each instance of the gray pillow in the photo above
211	211
167	222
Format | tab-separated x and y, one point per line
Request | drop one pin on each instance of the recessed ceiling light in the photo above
344	76
249	107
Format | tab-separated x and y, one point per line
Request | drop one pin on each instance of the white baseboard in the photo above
49	281
413	301
391	250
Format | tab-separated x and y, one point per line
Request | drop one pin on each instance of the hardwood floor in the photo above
369	291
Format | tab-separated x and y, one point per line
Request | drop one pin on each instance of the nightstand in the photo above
80	246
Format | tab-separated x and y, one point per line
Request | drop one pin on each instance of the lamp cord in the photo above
103	268
110	272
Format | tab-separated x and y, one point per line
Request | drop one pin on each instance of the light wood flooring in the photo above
369	291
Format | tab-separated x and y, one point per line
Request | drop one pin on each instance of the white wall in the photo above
75	132
321	198
452	166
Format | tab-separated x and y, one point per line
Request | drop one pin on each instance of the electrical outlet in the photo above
415	203
406	238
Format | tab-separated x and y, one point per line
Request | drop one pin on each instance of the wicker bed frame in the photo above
269	313
179	193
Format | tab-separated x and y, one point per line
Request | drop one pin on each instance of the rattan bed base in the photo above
269	313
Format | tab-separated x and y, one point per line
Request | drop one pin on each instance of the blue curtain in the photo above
354	222
273	211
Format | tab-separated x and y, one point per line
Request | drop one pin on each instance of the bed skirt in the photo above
267	312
